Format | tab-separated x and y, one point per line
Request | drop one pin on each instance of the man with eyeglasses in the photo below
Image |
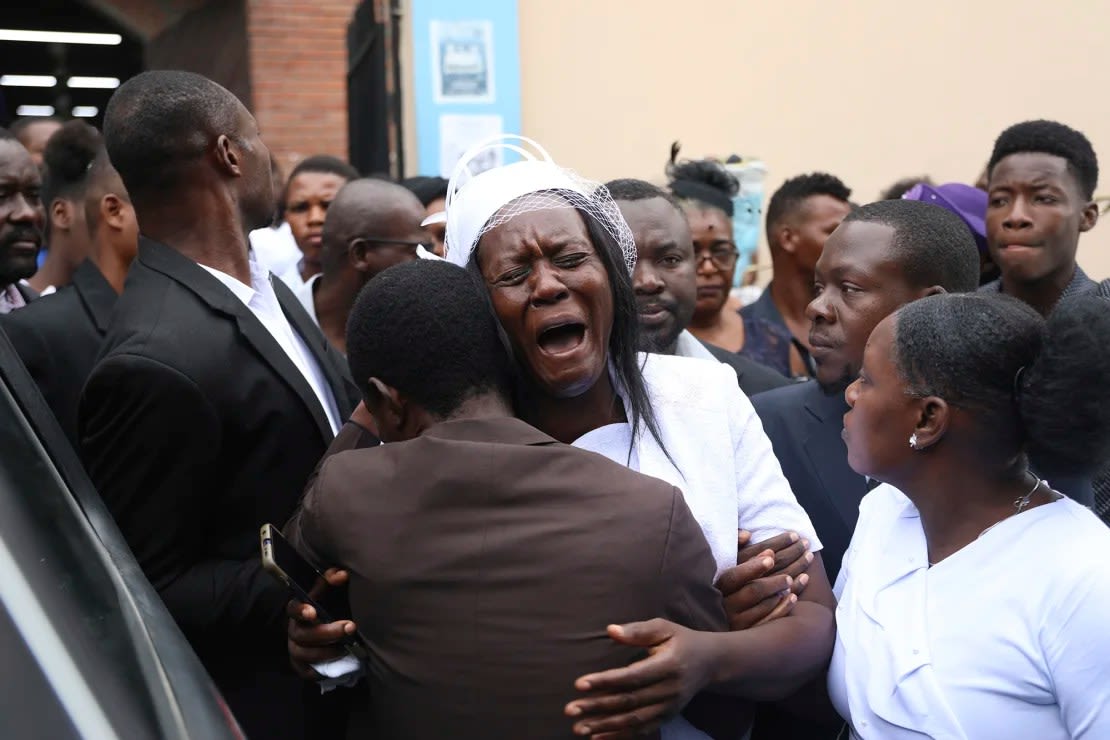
800	216
370	226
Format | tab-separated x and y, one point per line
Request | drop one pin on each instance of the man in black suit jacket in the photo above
215	394
21	222
881	257
665	280
59	337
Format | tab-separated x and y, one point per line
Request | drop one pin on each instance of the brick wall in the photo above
210	40
287	60
146	18
298	60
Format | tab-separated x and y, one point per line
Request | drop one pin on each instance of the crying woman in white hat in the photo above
556	257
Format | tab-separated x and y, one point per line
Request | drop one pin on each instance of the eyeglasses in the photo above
723	255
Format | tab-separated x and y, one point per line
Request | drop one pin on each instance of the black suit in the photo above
29	294
58	338
753	377
197	428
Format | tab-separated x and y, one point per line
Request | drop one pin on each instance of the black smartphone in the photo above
282	561
286	564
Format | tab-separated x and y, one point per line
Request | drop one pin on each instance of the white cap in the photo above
476	203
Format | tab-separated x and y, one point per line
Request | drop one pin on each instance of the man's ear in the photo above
227	155
358	251
934	416
386	404
787	238
931	290
111	211
1089	217
61	214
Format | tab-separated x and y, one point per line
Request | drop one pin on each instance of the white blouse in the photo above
1007	638
722	462
722	459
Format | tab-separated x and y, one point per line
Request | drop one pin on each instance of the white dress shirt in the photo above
260	298
687	345
1006	638
276	248
304	295
11	299
292	276
723	462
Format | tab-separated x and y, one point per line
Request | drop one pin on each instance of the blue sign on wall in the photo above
466	67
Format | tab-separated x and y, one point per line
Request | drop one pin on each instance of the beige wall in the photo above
870	90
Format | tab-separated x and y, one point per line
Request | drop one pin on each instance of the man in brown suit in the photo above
485	558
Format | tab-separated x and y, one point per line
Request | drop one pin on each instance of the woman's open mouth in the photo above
562	338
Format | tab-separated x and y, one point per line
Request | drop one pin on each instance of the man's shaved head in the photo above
171	133
157	123
370	209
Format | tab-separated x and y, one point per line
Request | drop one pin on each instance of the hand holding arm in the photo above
767	580
766	662
638	698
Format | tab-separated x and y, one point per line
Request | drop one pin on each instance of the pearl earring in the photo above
913	441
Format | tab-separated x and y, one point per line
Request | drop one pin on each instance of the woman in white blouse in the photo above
974	600
556	257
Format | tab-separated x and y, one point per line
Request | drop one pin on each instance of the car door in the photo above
88	648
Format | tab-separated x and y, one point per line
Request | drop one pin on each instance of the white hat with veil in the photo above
478	202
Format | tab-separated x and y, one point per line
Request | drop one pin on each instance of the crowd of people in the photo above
557	481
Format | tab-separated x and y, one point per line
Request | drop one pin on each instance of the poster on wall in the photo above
459	132
462	62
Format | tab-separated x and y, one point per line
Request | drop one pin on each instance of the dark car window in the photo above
56	587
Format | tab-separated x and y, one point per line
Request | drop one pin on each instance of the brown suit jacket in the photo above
486	560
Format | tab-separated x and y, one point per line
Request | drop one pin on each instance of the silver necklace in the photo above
1021	503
